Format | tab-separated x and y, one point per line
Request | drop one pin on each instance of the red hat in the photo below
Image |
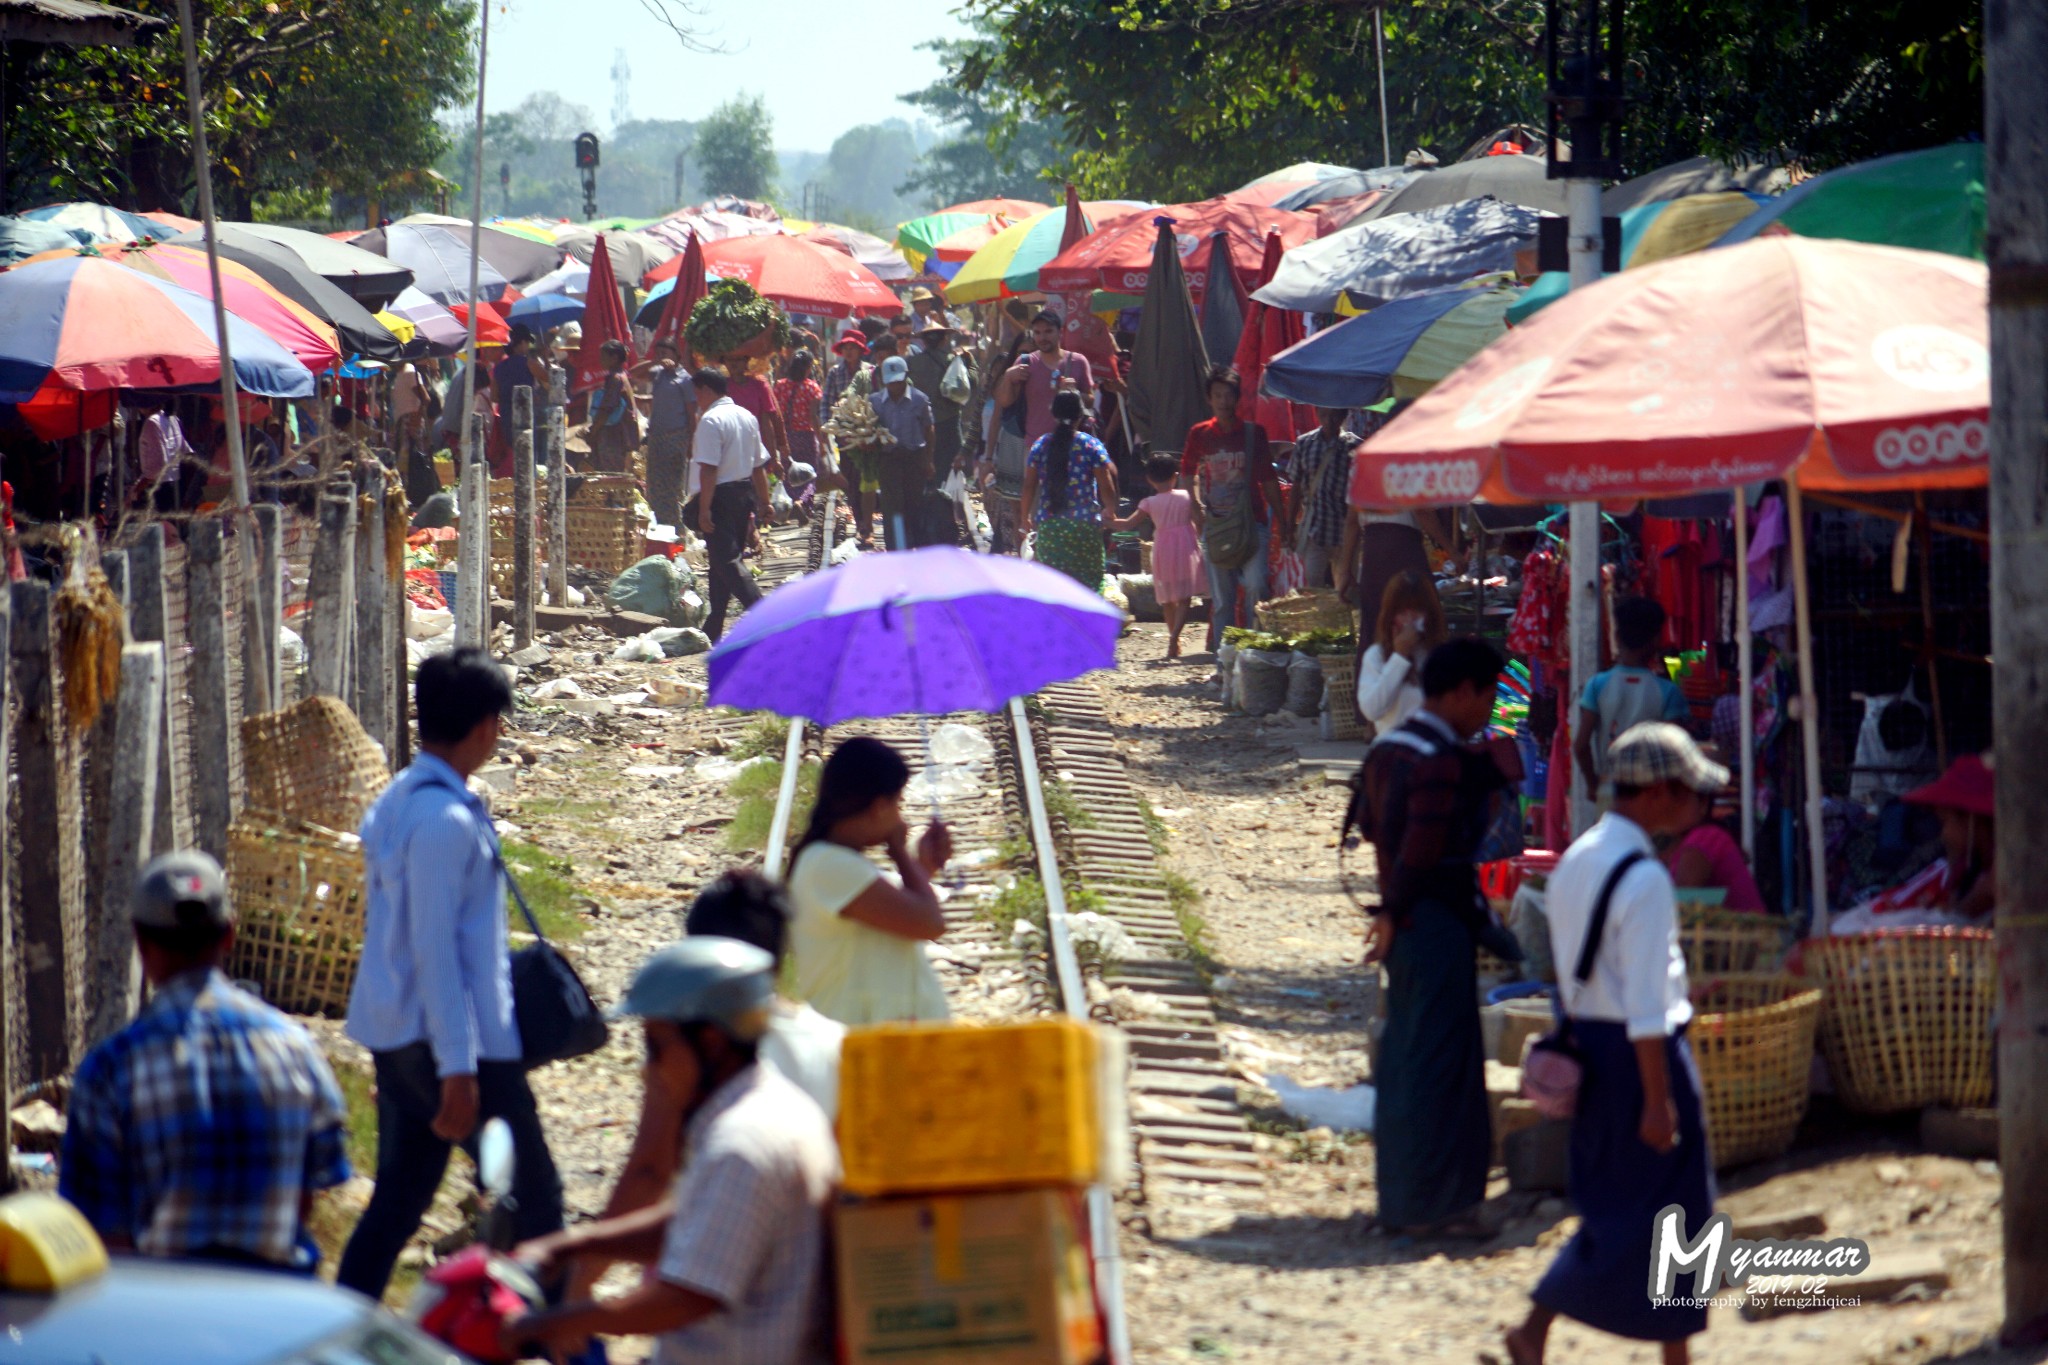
1966	786
852	336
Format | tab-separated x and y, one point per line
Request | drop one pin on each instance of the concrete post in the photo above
46	815
148	619
116	974
372	678
332	586
266	655
523	584
206	631
473	558
557	435
105	765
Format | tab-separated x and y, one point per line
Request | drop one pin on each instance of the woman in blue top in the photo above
1068	481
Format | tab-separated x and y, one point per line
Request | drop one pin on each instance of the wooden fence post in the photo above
396	660
266	653
523	585
148	620
116	975
558	487
473	560
10	1019
206	631
46	814
372	678
104	766
331	587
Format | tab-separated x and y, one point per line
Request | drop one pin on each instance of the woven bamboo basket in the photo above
313	761
1340	694
603	538
1908	1017
605	490
1717	941
299	902
1319	609
1752	1037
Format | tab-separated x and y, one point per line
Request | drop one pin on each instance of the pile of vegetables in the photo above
854	425
731	314
1316	642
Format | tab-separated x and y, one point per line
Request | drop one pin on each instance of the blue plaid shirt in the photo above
203	1125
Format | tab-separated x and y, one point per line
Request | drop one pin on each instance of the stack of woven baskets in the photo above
295	867
603	527
1752	1038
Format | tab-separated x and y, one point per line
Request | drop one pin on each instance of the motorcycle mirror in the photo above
495	1161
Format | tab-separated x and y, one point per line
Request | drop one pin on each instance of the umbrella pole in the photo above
1809	712
230	406
1745	673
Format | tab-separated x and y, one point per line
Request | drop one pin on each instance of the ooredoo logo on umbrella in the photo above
1931	359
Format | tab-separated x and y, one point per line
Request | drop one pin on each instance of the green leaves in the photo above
736	149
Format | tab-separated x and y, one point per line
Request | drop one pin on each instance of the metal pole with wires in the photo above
476	234
230	402
1379	47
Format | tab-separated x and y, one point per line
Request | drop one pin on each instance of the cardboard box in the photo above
993	1279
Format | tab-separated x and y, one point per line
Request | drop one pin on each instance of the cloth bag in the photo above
1230	533
1552	1065
557	1018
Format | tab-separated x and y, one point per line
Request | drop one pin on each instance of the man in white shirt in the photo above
1639	1141
727	466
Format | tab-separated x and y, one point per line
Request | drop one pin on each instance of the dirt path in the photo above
1306	1280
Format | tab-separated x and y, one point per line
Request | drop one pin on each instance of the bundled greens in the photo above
1325	641
731	314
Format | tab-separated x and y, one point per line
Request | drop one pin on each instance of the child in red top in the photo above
798	396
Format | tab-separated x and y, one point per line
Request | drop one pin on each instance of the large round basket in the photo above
1752	1036
313	761
299	902
1717	941
1340	692
1908	1016
1317	609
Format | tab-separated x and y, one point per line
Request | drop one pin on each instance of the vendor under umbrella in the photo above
1961	886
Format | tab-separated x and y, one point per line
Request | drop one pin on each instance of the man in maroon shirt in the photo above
1223	462
756	395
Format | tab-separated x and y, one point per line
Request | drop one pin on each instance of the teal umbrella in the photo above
1931	199
1652	232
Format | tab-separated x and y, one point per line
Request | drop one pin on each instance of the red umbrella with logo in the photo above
1119	257
801	276
689	288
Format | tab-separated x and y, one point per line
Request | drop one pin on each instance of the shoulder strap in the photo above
1598	927
520	896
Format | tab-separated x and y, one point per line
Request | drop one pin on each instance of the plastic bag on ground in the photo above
554	689
844	551
1226	671
679	642
1261	681
424	623
957	743
653	587
718	768
639	650
943	782
1304	685
1322	1106
291	650
1141	598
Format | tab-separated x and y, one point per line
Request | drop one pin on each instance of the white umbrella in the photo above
571	277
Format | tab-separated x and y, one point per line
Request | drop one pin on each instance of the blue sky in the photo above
823	65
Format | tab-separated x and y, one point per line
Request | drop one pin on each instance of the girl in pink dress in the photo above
1177	569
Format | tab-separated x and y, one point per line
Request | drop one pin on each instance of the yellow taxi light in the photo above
46	1244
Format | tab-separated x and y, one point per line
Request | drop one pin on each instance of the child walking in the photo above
1177	568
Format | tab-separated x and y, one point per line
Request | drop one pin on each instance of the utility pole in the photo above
2016	245
1585	97
682	161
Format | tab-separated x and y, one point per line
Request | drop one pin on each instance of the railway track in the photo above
1056	902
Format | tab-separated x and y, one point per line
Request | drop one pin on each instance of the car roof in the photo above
150	1312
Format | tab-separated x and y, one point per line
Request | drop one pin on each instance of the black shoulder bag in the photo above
1553	1066
557	1018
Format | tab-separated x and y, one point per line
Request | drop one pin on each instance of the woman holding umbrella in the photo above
1068	481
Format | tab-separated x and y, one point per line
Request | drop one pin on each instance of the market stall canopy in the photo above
1267	332
85	325
1931	199
542	311
532	229
920	237
570	277
517	257
712	225
1269	194
357	331
1713	370
441	329
920	632
72	23
1402	349
1169	364
885	262
1380	259
1699	175
1512	179
364	276
1001	208
21	238
633	254
247	294
491	330
1349	185
101	223
440	263
801	277
1009	263
954	251
1300	173
1650	233
1223	309
1118	258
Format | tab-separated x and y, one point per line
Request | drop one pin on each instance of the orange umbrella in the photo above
1727	367
1118	258
802	277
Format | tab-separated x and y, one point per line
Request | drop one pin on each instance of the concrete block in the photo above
1890	1276
1538	1158
1511	1115
1968	1133
1781	1226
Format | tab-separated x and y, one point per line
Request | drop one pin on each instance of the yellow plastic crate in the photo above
929	1108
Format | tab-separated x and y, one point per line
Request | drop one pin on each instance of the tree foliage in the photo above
736	149
1176	99
862	172
998	148
338	95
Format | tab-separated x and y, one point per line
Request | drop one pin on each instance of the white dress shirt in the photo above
1388	690
1639	972
728	441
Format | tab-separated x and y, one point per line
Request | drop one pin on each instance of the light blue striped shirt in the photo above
436	964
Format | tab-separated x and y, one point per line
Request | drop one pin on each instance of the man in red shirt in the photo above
1226	462
756	395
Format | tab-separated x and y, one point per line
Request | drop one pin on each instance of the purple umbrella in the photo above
918	632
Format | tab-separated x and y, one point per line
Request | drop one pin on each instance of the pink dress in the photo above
1177	572
1725	865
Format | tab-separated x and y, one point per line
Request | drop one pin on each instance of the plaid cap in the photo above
1658	751
181	890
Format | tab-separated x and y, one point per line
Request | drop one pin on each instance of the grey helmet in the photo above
705	980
